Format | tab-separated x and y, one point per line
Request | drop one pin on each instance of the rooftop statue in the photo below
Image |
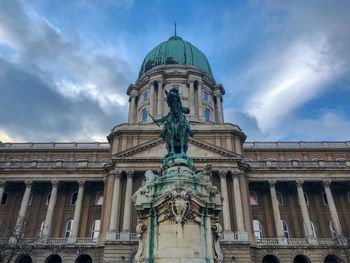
176	127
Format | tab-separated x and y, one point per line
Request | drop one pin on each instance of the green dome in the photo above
176	51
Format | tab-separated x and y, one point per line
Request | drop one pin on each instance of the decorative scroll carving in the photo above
217	230
140	229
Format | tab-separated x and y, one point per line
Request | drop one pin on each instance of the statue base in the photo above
178	215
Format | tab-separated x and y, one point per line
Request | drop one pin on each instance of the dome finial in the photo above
175	29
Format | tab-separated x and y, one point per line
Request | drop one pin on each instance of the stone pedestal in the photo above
178	215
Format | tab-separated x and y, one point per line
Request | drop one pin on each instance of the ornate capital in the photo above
81	183
130	174
299	183
327	183
272	183
55	183
117	173
134	93
236	173
28	183
222	174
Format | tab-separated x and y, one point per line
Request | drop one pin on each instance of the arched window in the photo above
54	259
144	115
206	96
285	229
313	229
332	259
270	259
332	229
257	229
84	258
207	115
95	228
41	229
24	259
99	198
48	198
145	96
30	200
74	198
301	259
306	198
324	198
69	228
253	198
279	198
4	199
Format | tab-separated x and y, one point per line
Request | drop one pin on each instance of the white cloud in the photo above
298	75
6	137
331	125
44	49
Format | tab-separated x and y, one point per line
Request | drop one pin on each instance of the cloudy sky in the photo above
65	65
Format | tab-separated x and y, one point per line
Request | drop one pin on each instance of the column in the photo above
238	202
219	108
127	202
225	207
2	188
191	99
200	101
304	210
151	99
276	211
115	205
160	98
48	220
77	211
24	205
332	207
132	100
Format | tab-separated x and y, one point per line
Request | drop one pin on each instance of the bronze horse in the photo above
176	127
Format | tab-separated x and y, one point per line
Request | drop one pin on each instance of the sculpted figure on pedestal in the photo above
176	127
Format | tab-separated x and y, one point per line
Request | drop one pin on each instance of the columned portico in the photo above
115	205
304	210
48	220
218	99
160	96
77	211
200	100
225	207
191	98
332	207
151	98
238	202
276	211
127	202
24	206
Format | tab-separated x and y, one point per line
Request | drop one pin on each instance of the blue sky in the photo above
65	65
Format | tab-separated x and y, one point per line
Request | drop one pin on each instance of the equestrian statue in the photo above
176	127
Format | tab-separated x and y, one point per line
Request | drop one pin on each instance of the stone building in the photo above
282	201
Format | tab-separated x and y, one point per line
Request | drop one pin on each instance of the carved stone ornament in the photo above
217	230
179	205
140	230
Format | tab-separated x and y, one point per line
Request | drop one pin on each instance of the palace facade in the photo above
282	201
